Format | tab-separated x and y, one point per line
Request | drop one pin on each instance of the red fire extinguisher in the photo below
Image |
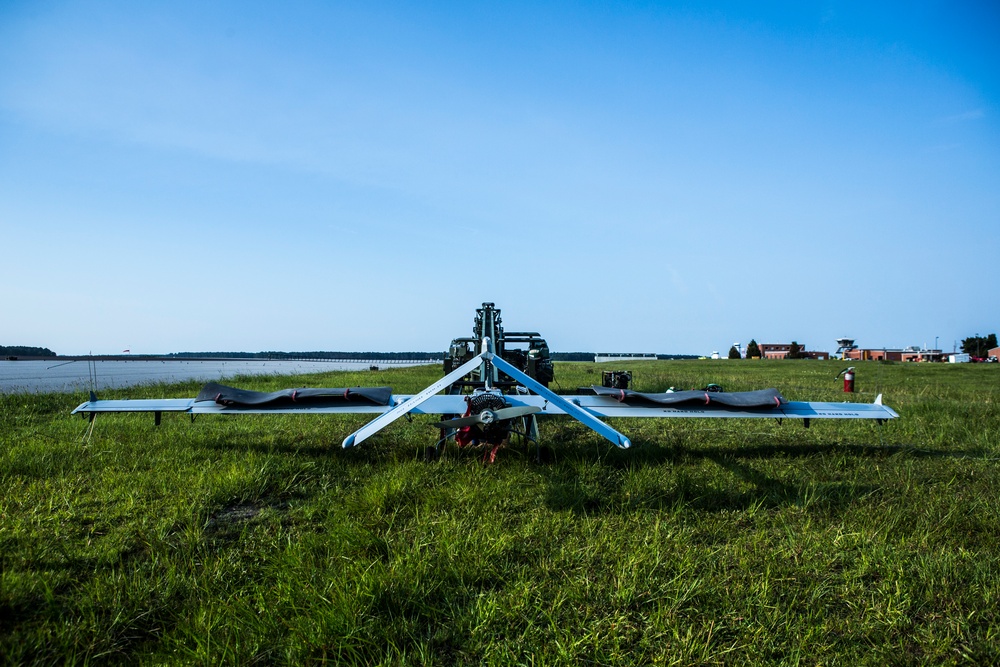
848	374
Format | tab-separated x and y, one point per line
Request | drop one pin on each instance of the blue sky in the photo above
658	177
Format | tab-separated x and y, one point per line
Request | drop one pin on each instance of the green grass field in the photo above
257	540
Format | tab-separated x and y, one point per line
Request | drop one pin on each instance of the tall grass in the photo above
257	540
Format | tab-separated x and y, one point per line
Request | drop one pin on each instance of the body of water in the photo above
65	376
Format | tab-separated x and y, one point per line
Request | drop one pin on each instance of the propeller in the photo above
487	417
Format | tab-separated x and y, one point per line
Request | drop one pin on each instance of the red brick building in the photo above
894	354
781	350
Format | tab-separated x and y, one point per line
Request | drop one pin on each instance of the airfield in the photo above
258	540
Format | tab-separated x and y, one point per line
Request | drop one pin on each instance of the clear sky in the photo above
656	177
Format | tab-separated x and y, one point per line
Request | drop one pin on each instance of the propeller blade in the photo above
489	416
517	411
458	422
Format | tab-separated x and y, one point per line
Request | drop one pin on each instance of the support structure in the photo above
484	361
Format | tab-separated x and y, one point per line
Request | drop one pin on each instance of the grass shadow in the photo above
769	475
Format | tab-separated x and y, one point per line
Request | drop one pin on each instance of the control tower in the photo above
845	345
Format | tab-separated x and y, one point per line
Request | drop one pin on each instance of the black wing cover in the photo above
762	398
224	395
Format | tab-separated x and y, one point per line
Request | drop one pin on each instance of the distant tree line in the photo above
25	351
978	346
572	356
309	355
589	356
556	356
